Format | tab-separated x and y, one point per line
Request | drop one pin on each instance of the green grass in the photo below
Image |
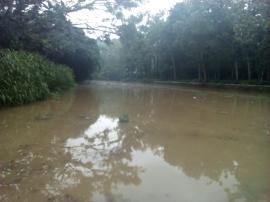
26	77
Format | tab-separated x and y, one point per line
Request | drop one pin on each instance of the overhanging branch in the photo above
104	29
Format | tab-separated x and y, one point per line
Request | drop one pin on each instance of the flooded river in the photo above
175	144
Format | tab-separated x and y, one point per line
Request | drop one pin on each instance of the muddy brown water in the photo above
179	144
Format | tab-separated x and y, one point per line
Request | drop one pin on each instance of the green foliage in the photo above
48	31
44	26
27	77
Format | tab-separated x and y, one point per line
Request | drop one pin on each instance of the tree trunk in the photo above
199	73
249	69
156	67
158	70
203	67
262	75
236	71
268	74
153	68
10	7
173	68
204	73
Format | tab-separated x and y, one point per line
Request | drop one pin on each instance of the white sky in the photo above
97	18
154	6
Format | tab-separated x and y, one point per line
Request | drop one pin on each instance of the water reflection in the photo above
99	140
102	156
218	136
174	148
163	182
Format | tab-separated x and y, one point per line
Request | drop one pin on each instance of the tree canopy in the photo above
43	26
199	40
202	40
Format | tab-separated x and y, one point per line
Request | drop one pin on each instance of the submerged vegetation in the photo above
27	77
124	118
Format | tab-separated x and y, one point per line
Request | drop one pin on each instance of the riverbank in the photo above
28	77
213	85
229	86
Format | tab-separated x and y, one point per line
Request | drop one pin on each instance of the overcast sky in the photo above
96	18
154	6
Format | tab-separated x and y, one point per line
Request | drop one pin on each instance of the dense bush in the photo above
27	77
52	35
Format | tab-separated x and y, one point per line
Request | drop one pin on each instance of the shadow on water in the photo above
179	145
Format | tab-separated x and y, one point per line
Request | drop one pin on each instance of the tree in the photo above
202	40
43	26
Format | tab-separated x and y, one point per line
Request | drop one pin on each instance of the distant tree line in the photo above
199	40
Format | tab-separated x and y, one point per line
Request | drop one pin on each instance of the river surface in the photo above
172	144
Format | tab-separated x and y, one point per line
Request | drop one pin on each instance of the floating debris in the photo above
124	118
235	163
45	117
86	117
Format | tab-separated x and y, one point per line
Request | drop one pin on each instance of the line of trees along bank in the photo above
44	26
39	46
202	40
